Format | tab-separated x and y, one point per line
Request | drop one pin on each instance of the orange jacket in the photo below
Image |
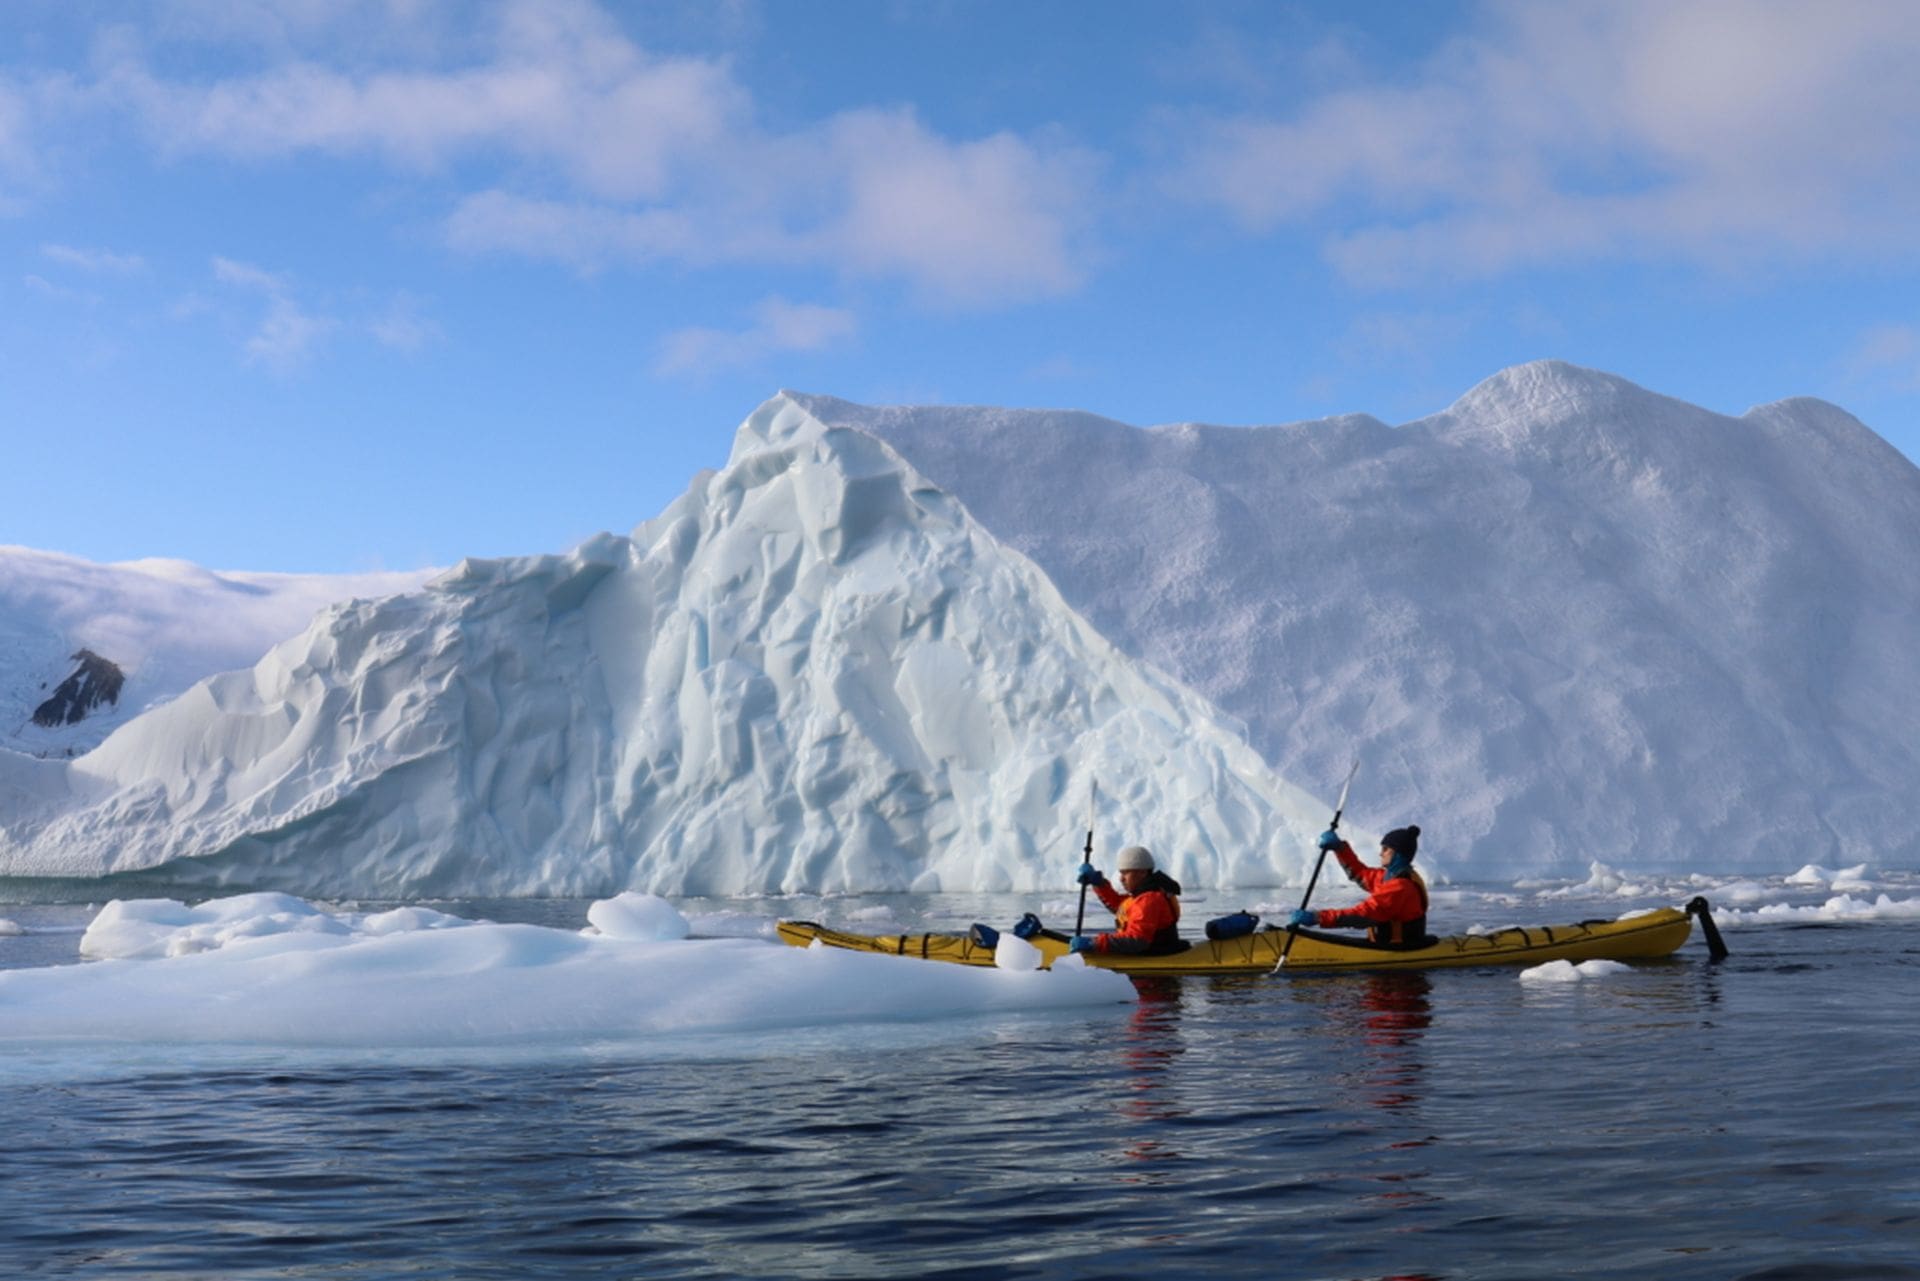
1395	910
1147	920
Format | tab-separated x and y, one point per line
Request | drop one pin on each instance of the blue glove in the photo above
1081	943
1090	875
1302	918
1330	840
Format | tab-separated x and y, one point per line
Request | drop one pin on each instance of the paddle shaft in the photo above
1339	808
1086	856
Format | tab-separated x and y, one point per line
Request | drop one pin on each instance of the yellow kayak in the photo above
1646	936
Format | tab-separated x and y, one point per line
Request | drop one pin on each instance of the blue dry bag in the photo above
1231	927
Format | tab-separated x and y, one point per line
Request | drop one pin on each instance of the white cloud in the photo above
1889	353
574	144
59	293
778	326
17	161
872	194
286	334
1713	130
247	276
563	88
969	222
401	327
96	261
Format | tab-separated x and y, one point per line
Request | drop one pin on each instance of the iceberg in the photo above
813	672
1565	620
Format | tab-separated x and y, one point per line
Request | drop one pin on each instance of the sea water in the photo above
1747	1119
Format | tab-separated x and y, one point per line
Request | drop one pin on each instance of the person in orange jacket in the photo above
1148	913
1395	910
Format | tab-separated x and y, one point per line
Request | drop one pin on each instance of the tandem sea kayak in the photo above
1646	936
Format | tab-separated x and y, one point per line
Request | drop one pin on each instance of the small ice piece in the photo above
10	928
1551	972
639	918
1015	953
402	920
1568	972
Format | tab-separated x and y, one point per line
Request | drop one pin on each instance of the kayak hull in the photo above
1646	936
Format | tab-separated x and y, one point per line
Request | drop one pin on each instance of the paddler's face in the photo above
1386	856
1132	879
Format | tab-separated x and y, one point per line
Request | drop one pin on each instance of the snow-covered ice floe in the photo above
272	970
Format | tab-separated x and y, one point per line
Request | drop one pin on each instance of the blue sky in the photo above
318	285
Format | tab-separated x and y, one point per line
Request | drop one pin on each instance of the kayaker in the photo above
1395	910
1148	913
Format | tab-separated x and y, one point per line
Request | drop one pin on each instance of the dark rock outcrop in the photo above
95	681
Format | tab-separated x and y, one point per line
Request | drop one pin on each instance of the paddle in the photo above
1093	795
1339	808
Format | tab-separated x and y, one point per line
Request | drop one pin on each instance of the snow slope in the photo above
163	623
1566	619
813	671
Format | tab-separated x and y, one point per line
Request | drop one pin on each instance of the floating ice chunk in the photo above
1848	878
402	919
1015	953
10	928
1568	972
638	918
1841	907
134	929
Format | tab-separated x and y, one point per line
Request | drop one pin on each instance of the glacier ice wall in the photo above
813	671
1566	619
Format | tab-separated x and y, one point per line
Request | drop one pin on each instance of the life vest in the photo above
1148	921
1400	933
1395	912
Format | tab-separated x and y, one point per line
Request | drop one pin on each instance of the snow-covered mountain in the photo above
813	671
1566	619
85	647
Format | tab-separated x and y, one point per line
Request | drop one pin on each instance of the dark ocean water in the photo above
1753	1119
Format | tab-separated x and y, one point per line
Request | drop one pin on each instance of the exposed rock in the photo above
94	682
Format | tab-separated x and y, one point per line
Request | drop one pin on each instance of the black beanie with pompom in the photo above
1402	840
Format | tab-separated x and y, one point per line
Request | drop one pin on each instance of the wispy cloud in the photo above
101	262
1888	354
778	326
59	293
402	326
285	334
1716	131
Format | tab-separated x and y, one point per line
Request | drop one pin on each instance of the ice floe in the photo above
271	970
